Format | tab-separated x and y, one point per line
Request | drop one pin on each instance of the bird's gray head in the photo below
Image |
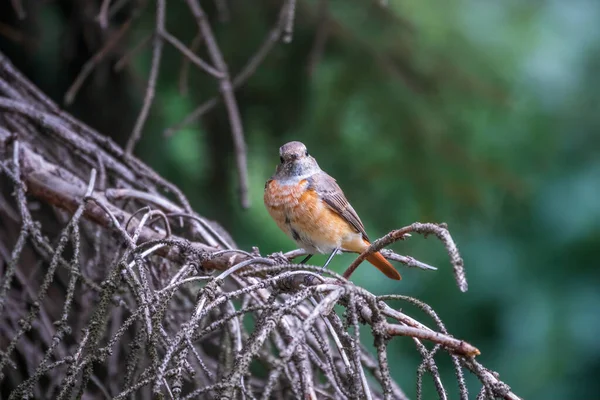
296	163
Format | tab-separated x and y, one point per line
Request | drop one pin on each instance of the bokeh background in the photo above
480	114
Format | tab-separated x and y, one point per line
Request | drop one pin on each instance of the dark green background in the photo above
481	114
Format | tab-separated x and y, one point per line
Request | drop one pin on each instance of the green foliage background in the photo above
480	114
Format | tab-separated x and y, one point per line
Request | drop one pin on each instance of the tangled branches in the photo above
111	288
216	68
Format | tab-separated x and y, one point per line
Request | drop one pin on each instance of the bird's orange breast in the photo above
304	217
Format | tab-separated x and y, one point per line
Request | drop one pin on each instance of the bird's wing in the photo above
331	193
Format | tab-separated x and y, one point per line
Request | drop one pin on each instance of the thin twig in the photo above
103	14
185	65
289	24
203	65
458	346
439	230
152	79
126	58
204	228
226	88
89	66
245	73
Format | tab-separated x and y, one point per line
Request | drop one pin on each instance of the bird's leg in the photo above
306	259
333	253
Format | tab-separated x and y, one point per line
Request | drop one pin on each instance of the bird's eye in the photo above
281	159
306	153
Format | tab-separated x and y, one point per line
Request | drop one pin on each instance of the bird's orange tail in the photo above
384	266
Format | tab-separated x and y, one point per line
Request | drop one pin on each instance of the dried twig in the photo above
203	65
185	65
103	14
289	25
89	66
245	73
457	346
126	58
152	79
440	230
226	88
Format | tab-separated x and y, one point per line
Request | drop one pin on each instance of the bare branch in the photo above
246	72
124	60
103	14
455	345
203	65
439	230
289	25
152	79
226	88
89	66
185	65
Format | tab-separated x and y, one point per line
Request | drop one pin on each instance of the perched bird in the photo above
309	206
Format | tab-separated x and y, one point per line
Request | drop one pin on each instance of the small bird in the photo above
310	207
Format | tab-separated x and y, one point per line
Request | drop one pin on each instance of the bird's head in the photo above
295	163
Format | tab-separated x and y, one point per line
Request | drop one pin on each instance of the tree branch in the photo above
226	88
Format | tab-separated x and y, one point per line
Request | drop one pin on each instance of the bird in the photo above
311	208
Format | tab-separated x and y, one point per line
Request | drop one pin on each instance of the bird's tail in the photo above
383	265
